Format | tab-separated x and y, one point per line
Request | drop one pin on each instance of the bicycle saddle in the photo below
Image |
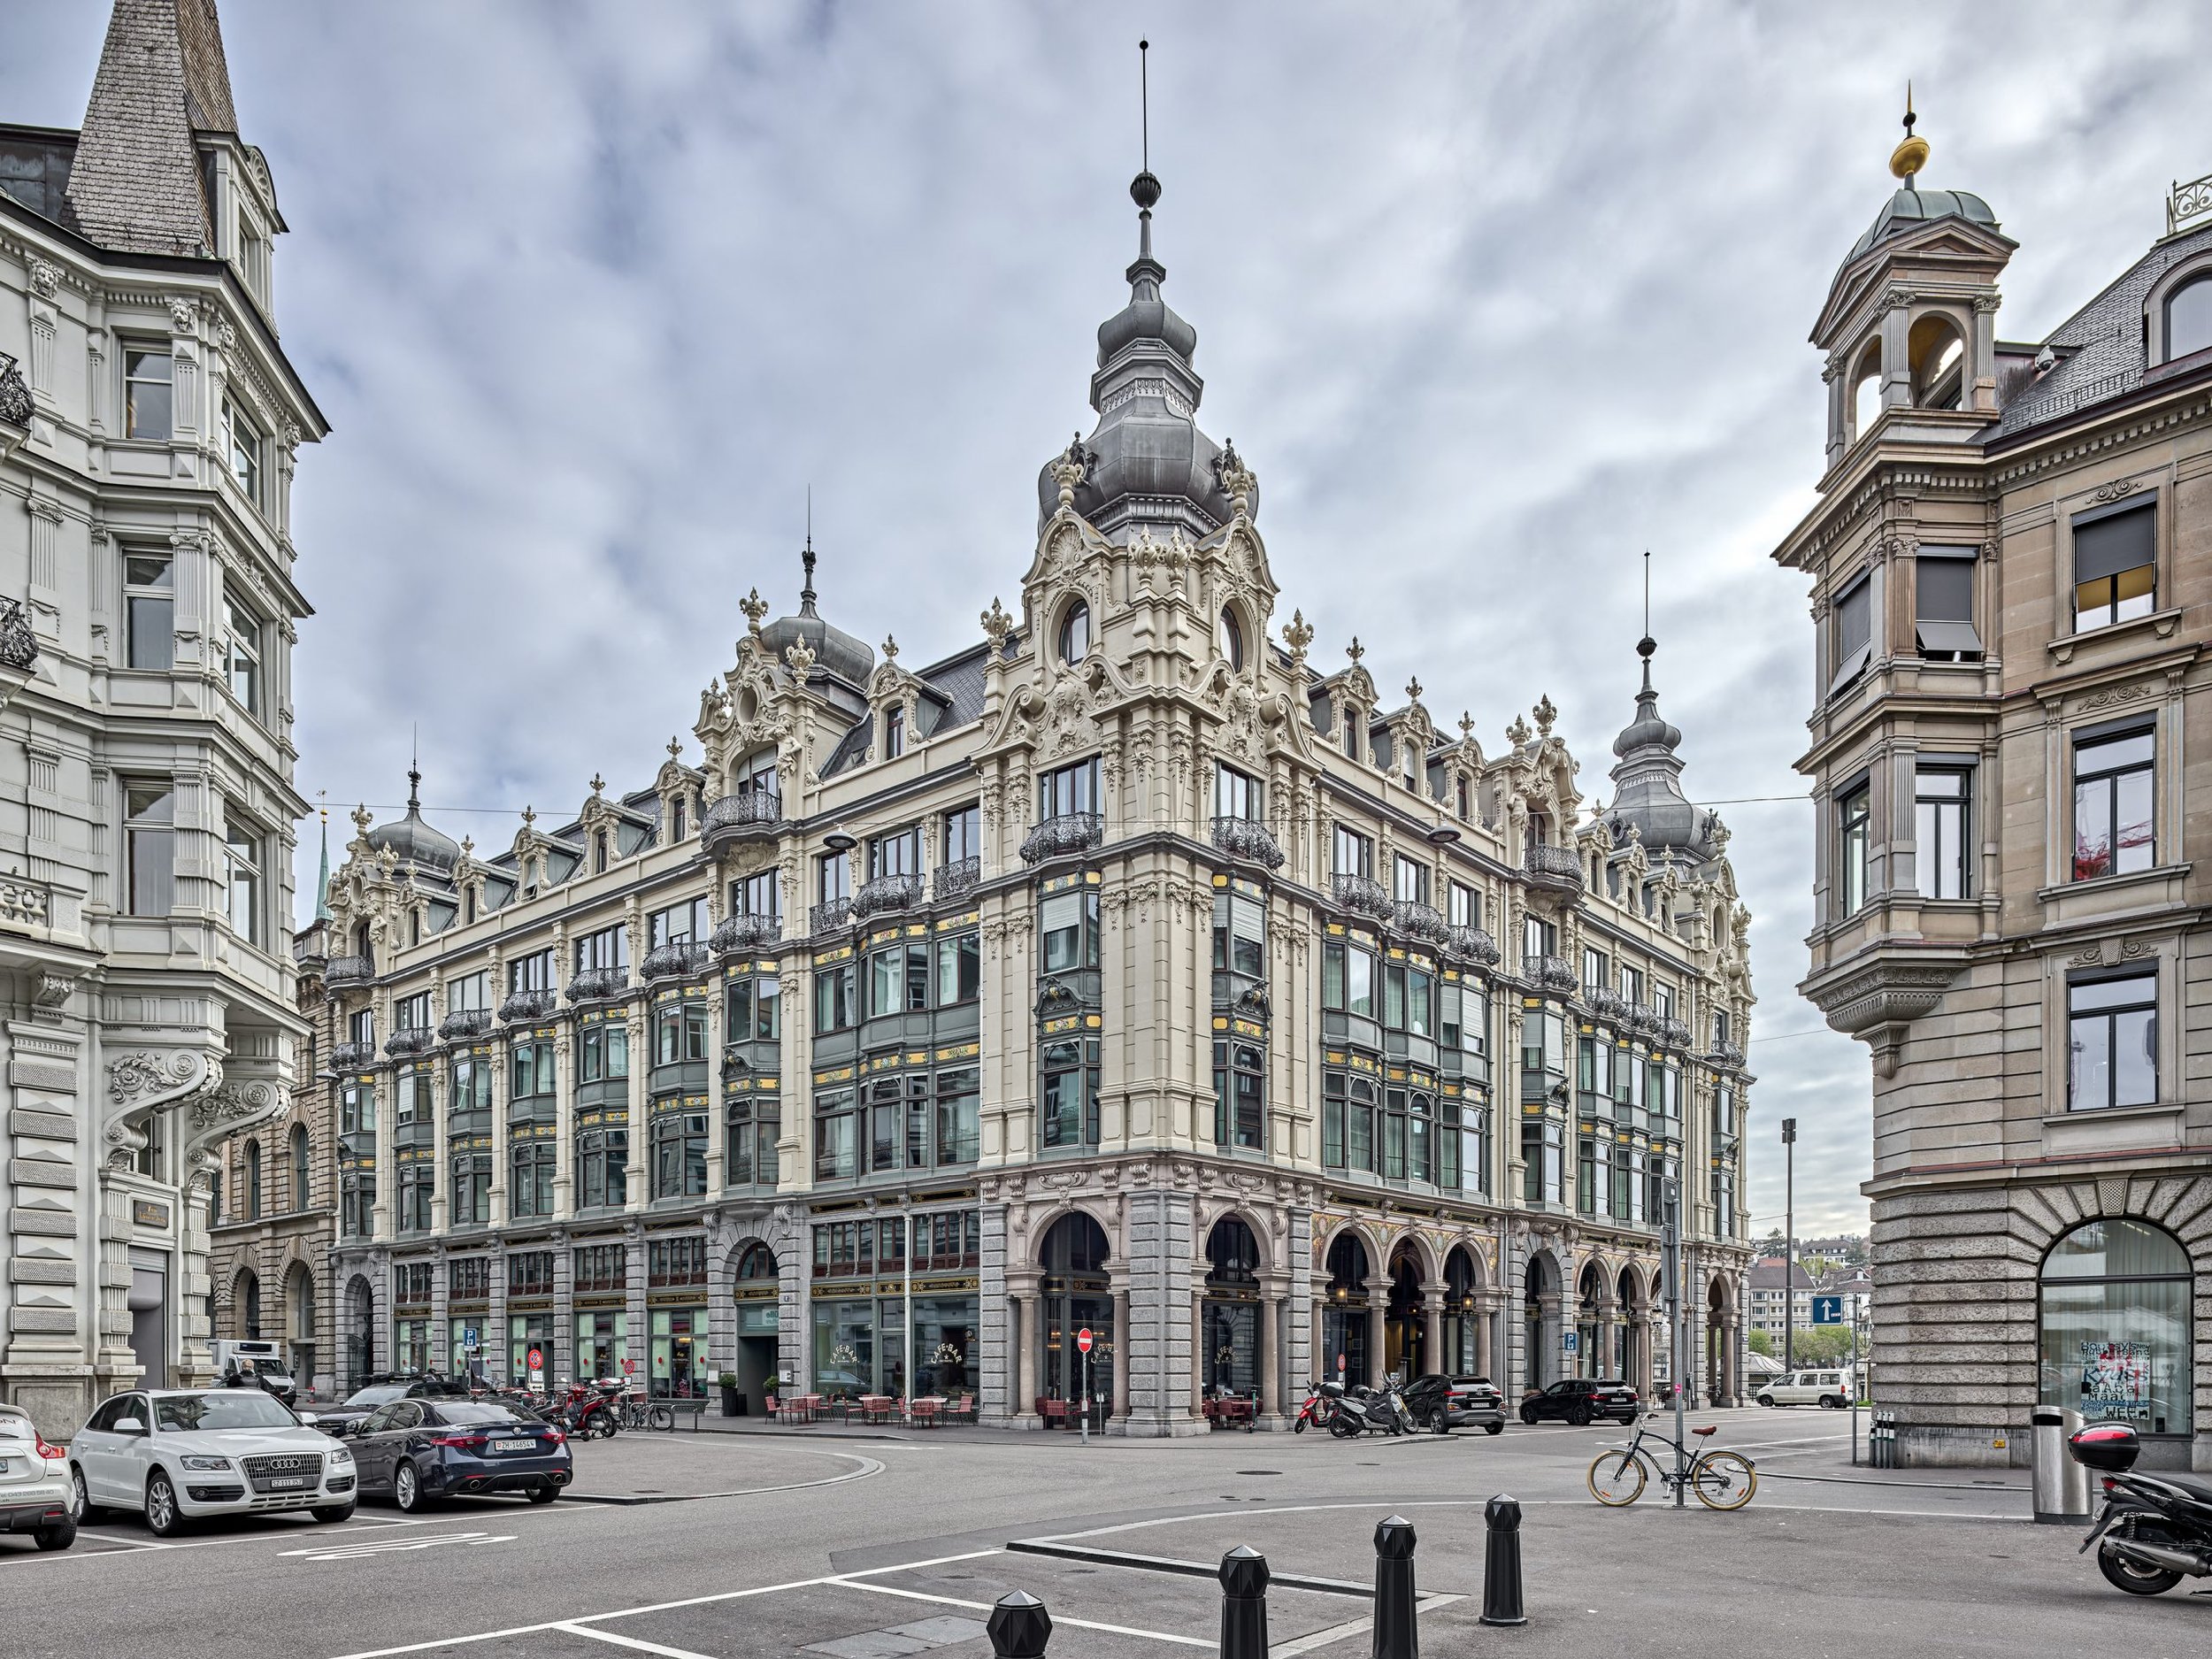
1710	1428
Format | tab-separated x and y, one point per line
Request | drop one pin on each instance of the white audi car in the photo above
182	1453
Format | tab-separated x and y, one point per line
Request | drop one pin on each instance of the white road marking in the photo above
1058	1620
1351	1627
628	1641
393	1546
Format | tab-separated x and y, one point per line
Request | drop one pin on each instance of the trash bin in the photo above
2061	1485
2080	1492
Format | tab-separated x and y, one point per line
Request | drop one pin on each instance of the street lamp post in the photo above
1789	1242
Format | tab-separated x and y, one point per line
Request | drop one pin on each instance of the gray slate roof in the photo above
136	180
957	679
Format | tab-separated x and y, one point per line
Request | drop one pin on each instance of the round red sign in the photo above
1083	1340
537	1360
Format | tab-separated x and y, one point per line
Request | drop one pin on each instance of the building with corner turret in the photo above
1122	968
2011	573
149	422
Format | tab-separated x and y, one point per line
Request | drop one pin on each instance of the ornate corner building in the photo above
148	424
2011	563
1121	971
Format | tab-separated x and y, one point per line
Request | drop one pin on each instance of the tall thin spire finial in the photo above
806	591
322	877
1646	646
1911	154
414	770
1144	101
1144	189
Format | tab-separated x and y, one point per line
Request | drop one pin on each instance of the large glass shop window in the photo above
2115	1326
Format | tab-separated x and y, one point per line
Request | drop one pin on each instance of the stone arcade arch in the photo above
360	1331
1351	1310
1543	1334
1408	1346
1465	1324
1074	1293
756	1288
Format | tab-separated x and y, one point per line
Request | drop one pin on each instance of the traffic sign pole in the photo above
1671	1242
1084	1342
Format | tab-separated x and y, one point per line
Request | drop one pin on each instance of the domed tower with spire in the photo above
1647	786
413	840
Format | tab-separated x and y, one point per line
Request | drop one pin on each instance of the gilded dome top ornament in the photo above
1911	154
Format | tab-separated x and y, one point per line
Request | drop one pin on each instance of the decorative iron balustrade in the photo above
1549	973
1471	944
827	918
743	933
15	397
598	985
1418	920
1637	1017
1363	896
19	646
1250	840
465	1024
680	961
1549	866
414	1040
736	816
346	1057
2187	204
887	892
1674	1034
1725	1054
1069	833
959	878
347	970
1602	1003
528	1005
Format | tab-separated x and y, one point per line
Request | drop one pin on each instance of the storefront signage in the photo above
2115	1381
147	1213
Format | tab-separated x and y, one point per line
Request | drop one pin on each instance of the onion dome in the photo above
411	840
1647	787
835	651
1146	462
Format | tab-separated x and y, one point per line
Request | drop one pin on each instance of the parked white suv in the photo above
34	1483
180	1453
1830	1388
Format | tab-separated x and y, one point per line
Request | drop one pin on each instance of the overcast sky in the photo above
1491	298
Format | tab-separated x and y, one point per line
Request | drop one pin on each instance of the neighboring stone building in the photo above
2012	593
149	421
1118	970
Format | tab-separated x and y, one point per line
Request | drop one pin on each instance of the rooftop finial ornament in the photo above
1144	189
1911	154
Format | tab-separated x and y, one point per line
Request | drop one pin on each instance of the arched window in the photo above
253	1181
1229	638
1233	1254
249	1299
2116	1332
676	810
2189	318
894	733
756	1262
299	1166
599	852
757	775
1866	389
1075	632
1937	355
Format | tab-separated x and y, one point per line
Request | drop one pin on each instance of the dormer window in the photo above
2189	318
1075	632
1229	638
599	852
894	734
676	819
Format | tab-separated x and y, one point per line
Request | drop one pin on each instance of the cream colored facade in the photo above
2012	581
1106	886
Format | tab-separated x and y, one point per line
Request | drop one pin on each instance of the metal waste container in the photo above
2062	1485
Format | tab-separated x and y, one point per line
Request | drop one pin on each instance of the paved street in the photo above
722	1545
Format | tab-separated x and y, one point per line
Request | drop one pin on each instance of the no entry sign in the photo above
1083	1340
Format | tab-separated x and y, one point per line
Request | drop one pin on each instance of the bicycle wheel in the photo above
662	1418
1616	1478
1724	1480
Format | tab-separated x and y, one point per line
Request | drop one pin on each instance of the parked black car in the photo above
1442	1404
347	1416
1581	1401
418	1451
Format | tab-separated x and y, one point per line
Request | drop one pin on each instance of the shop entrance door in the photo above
1065	1314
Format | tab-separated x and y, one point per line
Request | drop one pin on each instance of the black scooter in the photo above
1363	1410
2156	1530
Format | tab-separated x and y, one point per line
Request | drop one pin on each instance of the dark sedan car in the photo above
347	1416
1444	1404
1581	1401
420	1451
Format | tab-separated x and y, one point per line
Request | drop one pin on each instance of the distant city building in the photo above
148	426
2011	569
1767	1304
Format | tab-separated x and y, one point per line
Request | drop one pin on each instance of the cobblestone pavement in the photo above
724	1545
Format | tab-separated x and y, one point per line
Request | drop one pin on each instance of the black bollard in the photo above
1019	1627
1501	1563
1244	1604
1395	1636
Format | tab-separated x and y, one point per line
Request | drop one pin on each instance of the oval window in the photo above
1075	632
1229	638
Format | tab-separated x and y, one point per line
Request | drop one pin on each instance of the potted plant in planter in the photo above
732	1402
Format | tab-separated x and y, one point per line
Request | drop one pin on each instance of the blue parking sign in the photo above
1827	1310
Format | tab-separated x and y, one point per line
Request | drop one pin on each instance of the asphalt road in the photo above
875	1547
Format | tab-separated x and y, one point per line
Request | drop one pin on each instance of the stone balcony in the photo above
751	815
887	894
1057	837
1247	841
598	985
735	935
1553	869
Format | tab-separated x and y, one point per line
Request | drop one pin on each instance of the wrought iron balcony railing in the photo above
347	970
1250	840
1363	896
15	397
348	1056
528	1005
886	893
19	646
736	934
1674	1034
740	816
1725	1054
682	961
414	1040
598	985
1549	973
1639	1016
466	1025
828	918
1418	920
1559	868
1471	944
1069	833
957	880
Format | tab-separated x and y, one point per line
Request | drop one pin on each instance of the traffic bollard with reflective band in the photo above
1395	1637
1019	1627
1501	1563
1244	1604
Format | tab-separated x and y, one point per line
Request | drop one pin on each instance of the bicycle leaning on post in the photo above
1722	1480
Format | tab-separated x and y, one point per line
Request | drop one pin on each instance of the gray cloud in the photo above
1493	299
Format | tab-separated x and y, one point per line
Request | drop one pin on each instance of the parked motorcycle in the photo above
1363	1410
1318	1407
2156	1529
587	1412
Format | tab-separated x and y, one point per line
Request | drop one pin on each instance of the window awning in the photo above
1948	637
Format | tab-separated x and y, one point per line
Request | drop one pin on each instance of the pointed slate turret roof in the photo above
1647	782
135	181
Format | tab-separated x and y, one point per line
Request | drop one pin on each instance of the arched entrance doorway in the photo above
1230	1312
360	1334
1539	1316
1075	1295
1631	1336
1463	1346
755	1289
1405	1346
1344	1314
299	1322
245	1305
1586	1361
1719	1332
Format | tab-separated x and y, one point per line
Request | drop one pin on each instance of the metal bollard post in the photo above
1244	1604
1395	1634
1019	1627
1501	1563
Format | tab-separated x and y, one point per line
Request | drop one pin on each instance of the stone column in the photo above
1543	1365
1198	1351
1431	1331
1486	1318
1021	1338
1324	1362
1271	1358
1121	1349
1378	1311
1608	1308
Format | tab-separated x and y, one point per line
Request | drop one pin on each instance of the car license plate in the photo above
282	1481
514	1446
